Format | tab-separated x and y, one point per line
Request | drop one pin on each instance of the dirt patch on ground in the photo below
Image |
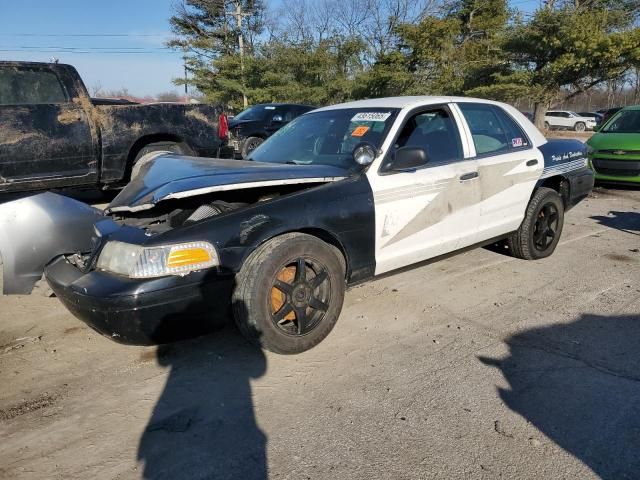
19	343
616	257
568	134
42	401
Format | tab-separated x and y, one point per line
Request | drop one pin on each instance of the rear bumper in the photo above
580	185
137	311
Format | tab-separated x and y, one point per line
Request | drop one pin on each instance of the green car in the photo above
614	151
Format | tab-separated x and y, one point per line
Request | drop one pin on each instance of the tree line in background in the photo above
320	52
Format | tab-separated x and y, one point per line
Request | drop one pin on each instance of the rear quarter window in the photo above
493	131
25	86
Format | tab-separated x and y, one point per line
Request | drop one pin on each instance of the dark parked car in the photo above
53	135
529	116
606	114
252	126
594	115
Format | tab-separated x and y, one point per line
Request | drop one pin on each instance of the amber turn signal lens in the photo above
188	256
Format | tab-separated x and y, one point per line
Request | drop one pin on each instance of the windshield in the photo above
626	121
257	112
327	138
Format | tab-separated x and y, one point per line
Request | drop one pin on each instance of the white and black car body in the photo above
444	174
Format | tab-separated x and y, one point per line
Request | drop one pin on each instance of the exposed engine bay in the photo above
174	213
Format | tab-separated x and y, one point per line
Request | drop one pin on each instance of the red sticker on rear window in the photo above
516	142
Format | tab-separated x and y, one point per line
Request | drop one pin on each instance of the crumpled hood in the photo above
176	176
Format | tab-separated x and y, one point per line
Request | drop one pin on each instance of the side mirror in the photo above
277	119
409	158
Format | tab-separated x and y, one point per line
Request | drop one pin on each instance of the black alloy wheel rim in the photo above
300	296
546	227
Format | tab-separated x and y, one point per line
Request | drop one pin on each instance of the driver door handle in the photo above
468	176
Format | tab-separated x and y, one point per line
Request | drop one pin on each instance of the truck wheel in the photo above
289	293
541	228
152	150
249	145
579	127
547	126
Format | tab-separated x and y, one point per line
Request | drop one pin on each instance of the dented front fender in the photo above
36	229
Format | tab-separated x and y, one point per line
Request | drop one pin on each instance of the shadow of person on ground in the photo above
624	221
203	425
579	384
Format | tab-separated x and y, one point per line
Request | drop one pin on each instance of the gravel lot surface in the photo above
479	366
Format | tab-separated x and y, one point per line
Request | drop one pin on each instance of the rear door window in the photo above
493	131
27	86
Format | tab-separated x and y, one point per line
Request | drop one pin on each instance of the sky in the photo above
112	43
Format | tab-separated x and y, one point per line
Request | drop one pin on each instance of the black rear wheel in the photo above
249	145
541	228
150	151
289	293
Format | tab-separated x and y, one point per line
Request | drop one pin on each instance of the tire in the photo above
268	315
152	150
547	126
579	127
249	145
527	242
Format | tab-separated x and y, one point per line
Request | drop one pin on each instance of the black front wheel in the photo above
541	228
289	293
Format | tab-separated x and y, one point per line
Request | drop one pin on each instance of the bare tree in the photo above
96	89
372	21
168	97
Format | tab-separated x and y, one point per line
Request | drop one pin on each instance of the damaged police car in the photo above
336	197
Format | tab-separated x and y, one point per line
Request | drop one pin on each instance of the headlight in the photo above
135	261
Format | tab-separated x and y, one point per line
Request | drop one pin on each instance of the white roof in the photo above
405	102
424	100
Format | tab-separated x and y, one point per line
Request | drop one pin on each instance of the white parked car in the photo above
565	119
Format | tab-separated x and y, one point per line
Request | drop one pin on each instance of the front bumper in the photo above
143	312
616	170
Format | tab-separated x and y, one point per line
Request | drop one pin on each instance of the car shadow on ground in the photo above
579	384
203	425
624	221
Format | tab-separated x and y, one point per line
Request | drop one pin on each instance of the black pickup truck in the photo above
52	134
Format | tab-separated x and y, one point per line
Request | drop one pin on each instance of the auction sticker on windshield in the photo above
360	131
371	117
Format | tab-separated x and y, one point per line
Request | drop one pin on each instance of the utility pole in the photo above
239	16
184	59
